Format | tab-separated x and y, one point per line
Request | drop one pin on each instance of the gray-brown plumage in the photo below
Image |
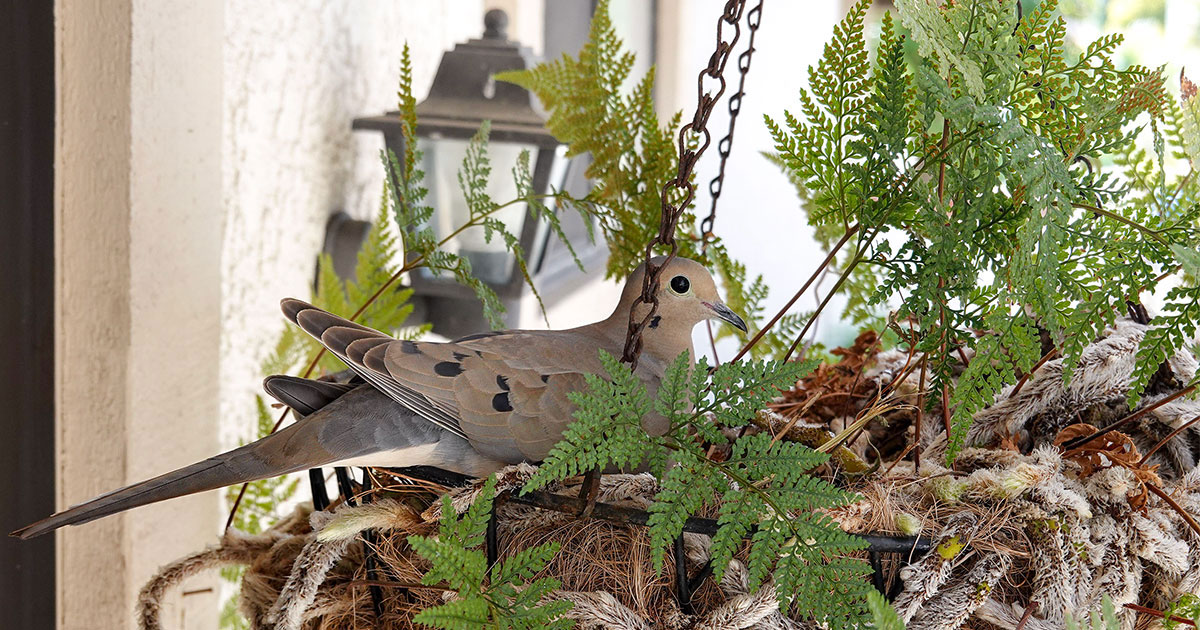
471	406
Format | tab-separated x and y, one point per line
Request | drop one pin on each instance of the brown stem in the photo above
1025	377
238	500
1187	518
825	302
941	187
1080	441
1178	189
1026	615
920	414
1158	613
1164	441
774	320
899	459
712	341
946	409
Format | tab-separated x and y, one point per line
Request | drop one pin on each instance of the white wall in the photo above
296	74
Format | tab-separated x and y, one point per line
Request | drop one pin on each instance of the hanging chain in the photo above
681	188
725	146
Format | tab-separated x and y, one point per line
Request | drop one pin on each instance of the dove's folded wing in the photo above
506	392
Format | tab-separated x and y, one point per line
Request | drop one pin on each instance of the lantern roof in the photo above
465	92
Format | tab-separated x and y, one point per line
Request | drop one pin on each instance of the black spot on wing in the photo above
502	382
500	402
654	322
409	347
458	356
545	378
448	368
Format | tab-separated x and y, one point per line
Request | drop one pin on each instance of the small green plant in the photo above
1103	619
762	492
883	616
632	155
506	595
1186	607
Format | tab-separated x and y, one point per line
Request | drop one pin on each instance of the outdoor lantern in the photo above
464	94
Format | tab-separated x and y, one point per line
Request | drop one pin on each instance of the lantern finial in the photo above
495	25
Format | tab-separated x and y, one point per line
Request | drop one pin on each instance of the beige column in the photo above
92	42
138	293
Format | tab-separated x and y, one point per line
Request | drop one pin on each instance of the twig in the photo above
1080	441
1025	377
1164	441
899	459
1187	518
1028	611
946	409
920	414
1160	614
1178	189
774	320
817	313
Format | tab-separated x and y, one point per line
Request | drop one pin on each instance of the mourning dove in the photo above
471	406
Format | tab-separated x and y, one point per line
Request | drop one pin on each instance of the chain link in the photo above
678	193
725	146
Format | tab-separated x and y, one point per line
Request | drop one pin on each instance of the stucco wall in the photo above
296	74
91	299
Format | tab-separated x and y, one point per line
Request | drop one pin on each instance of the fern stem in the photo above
774	320
1175	506
1170	436
1160	614
1080	441
1179	188
920	414
1127	221
828	296
1025	377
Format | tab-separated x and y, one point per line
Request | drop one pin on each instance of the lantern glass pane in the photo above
443	158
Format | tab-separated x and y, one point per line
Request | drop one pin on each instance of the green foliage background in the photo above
971	178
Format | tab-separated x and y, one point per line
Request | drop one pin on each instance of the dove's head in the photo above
687	295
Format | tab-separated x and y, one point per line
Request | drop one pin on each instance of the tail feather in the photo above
236	466
360	427
304	396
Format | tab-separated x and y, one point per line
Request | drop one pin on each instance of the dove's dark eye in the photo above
680	284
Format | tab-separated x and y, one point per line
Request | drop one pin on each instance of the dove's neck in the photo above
661	340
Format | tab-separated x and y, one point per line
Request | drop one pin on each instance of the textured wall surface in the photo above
91	300
175	288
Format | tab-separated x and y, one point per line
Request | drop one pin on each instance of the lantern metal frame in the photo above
463	95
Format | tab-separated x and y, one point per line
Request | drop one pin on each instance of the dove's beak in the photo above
723	313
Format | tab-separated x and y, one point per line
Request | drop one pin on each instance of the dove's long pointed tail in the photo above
236	466
361	427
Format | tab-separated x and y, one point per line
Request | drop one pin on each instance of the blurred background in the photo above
172	169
